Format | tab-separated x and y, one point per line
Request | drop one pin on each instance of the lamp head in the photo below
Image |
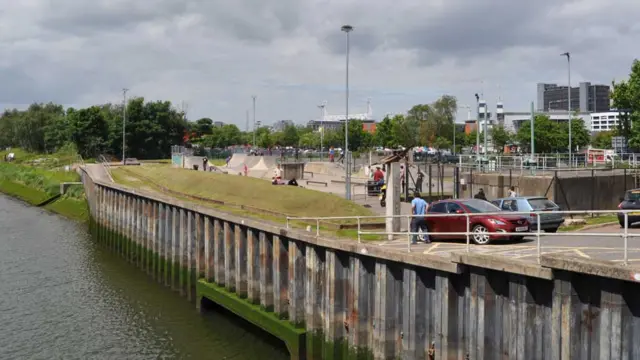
346	28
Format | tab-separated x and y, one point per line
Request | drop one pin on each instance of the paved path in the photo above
609	246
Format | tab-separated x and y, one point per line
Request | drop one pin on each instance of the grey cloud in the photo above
83	18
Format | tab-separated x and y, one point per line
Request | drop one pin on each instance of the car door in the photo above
437	224
457	223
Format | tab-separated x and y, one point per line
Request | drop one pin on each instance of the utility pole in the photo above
486	127
321	128
347	29
533	138
254	121
124	123
568	55
478	130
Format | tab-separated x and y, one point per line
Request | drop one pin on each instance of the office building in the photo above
604	121
586	97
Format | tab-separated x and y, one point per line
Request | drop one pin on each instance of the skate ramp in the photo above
237	160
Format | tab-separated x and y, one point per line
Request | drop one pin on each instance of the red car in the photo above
479	225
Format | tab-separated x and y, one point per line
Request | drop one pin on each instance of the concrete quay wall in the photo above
330	299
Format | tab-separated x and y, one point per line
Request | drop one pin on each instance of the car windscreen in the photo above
632	195
480	206
542	204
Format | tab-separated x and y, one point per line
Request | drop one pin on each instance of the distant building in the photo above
604	121
584	98
282	124
218	124
334	122
514	120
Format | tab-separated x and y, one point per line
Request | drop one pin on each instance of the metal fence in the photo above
544	162
537	233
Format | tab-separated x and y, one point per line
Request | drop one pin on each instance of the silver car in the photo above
550	220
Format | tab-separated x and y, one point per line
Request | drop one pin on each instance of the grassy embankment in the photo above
35	178
247	196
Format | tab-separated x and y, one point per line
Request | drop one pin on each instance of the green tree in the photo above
500	137
470	138
89	131
626	98
602	139
204	126
290	136
384	134
547	135
310	140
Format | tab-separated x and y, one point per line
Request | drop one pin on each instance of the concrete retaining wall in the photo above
292	170
343	300
602	191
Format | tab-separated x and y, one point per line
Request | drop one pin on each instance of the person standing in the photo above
512	192
402	178
418	221
480	195
419	181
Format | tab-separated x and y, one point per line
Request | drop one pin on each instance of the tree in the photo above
500	137
547	137
290	136
602	140
384	135
204	126
626	98
471	137
551	136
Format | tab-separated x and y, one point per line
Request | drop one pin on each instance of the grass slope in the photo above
241	190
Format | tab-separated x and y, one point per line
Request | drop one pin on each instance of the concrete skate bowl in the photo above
257	166
331	169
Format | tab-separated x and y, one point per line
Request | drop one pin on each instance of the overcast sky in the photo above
213	54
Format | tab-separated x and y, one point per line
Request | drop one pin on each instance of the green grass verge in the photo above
596	220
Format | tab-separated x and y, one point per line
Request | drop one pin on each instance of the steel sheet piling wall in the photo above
356	301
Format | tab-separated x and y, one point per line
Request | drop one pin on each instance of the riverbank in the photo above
36	186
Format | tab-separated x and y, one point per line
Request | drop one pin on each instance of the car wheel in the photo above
480	235
552	230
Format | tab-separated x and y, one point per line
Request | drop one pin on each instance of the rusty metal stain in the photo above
588	316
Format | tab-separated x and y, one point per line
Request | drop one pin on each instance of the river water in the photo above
63	297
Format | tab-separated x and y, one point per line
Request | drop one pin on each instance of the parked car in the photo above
630	201
550	221
480	225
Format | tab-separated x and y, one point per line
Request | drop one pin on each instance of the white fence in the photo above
624	233
545	161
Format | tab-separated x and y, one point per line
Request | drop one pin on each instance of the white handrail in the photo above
106	166
468	233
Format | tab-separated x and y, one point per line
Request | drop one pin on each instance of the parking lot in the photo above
604	243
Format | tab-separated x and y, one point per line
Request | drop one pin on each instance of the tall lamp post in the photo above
478	130
347	29
321	107
254	121
568	55
124	123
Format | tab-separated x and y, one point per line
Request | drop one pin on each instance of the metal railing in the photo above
105	164
468	234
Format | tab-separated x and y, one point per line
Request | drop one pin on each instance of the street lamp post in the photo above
321	128
124	122
254	121
486	128
347	29
568	55
478	130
